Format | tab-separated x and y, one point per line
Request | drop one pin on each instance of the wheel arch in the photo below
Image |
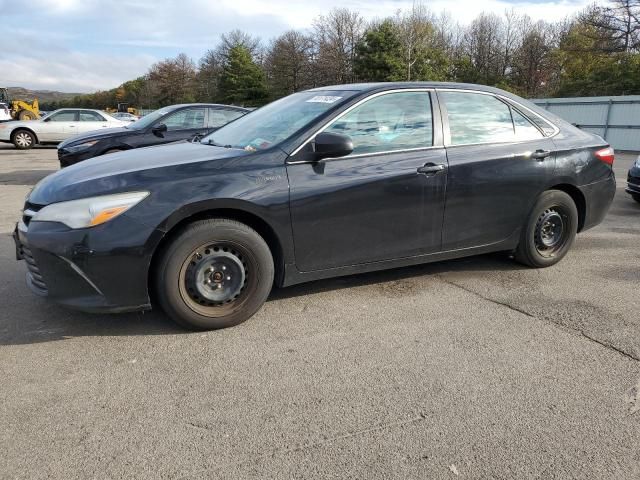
22	127
176	223
578	198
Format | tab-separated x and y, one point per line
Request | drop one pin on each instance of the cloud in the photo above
85	45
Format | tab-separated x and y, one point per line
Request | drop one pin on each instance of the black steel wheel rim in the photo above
551	230
217	278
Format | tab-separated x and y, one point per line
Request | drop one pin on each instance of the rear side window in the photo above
91	117
394	121
477	118
219	116
524	129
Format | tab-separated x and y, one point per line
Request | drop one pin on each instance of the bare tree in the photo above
336	36
619	23
531	60
173	80
288	62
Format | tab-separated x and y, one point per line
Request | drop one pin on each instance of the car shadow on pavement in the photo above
24	177
42	321
488	262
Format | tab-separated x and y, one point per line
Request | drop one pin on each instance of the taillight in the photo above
606	155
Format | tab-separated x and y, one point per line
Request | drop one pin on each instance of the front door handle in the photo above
431	169
540	154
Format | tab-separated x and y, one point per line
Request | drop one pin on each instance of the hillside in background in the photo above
43	96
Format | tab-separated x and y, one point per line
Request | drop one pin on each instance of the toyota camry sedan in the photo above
326	182
56	127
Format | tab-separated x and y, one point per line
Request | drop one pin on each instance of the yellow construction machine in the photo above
123	107
20	109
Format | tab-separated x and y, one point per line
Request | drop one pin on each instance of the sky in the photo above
89	45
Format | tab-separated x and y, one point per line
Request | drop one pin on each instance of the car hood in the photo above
132	169
96	135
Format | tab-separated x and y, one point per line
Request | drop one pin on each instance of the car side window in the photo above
64	116
185	119
394	121
219	116
525	130
477	118
91	117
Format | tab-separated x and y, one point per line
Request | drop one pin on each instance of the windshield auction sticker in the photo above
323	99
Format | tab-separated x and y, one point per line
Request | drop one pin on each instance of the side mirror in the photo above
332	145
158	130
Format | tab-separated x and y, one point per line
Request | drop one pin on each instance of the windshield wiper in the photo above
211	142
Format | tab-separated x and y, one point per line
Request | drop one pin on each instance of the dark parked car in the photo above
633	180
168	124
327	182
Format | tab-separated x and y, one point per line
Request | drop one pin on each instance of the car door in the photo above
89	121
373	204
499	162
58	126
184	124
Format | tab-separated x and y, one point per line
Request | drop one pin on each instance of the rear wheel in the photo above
23	139
26	115
636	197
216	273
550	230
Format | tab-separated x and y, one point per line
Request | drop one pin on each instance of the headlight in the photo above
81	146
89	212
637	164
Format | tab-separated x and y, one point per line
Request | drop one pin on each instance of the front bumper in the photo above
633	181
99	269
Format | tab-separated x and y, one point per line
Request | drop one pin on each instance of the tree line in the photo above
595	52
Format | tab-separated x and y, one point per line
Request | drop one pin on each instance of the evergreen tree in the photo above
242	80
379	54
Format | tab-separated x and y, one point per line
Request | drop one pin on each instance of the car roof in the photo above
214	105
382	86
363	87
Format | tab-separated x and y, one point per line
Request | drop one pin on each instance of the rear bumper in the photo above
633	182
102	269
598	198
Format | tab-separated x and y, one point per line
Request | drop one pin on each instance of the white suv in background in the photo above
56	127
5	113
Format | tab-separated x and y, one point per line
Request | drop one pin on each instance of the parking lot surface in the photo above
475	368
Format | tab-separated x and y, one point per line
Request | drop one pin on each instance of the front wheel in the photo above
550	230
636	197
214	274
23	139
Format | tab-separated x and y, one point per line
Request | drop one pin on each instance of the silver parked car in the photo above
56	127
125	116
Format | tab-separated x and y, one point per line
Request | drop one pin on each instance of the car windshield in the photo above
273	123
149	119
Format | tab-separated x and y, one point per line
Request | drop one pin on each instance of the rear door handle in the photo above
540	154
431	169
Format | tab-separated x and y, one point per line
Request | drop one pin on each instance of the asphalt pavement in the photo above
475	368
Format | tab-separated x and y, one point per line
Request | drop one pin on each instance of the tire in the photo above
26	115
636	197
214	274
550	230
23	139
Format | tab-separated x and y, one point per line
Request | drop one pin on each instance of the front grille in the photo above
30	209
34	271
